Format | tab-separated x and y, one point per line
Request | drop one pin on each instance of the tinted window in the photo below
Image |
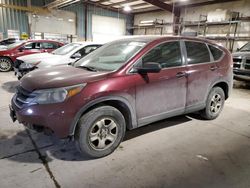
32	45
167	55
197	52
215	52
86	50
48	45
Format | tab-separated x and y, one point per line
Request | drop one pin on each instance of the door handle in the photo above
213	68
181	74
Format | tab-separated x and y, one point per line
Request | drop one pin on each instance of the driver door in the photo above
161	95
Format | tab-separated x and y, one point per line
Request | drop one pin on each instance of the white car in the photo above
67	54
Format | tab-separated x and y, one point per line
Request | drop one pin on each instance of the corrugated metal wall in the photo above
79	9
18	20
13	19
80	16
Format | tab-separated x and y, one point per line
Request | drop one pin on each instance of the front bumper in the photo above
21	72
242	74
53	118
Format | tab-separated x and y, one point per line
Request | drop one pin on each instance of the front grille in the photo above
247	64
237	65
21	97
17	63
237	60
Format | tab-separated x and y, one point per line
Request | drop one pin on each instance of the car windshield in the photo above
245	48
14	45
111	56
66	49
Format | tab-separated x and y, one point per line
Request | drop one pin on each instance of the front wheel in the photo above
100	131
214	104
5	64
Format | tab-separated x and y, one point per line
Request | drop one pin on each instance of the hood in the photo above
241	54
34	58
60	76
4	51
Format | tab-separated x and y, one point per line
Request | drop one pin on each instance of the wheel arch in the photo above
224	86
119	103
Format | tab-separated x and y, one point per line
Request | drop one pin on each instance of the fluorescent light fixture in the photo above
70	20
146	22
127	8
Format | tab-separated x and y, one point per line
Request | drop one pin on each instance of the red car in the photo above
9	55
123	85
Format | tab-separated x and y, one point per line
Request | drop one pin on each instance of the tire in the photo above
5	64
100	131
214	104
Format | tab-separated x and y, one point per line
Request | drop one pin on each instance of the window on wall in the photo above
197	52
167	55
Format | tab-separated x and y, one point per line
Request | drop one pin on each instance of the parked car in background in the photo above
8	56
65	55
241	60
123	85
4	43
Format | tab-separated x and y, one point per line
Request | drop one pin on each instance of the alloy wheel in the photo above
103	134
5	65
216	103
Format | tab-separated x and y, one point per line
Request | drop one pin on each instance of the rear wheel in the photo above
5	64
100	131
214	104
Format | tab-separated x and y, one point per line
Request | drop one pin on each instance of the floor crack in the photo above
44	161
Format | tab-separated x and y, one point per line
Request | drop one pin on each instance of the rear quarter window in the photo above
217	53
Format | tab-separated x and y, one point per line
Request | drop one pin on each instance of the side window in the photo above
197	52
167	55
29	46
49	45
217	53
37	45
86	50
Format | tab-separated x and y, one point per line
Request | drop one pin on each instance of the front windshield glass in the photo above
111	56
14	45
66	49
245	48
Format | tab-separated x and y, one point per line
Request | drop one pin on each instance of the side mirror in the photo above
76	56
149	67
238	49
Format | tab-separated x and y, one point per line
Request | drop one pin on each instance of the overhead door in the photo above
105	28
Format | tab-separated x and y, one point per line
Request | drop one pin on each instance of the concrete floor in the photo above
178	152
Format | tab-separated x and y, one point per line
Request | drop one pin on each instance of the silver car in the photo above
67	54
241	60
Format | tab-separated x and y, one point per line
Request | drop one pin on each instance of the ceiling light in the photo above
127	8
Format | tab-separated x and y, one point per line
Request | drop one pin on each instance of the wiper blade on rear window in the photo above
88	68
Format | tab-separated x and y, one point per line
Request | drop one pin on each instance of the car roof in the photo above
151	38
42	40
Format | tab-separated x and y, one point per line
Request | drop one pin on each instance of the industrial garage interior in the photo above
116	93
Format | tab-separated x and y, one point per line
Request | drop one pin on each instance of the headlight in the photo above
57	95
28	65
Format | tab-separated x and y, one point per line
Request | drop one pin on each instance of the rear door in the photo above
163	94
202	72
48	46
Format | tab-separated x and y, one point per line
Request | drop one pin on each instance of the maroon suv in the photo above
8	56
124	85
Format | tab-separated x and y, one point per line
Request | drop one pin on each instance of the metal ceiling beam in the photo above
32	9
160	4
204	3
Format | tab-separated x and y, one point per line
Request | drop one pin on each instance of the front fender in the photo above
102	100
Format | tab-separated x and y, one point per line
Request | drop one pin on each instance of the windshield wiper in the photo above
88	68
244	50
